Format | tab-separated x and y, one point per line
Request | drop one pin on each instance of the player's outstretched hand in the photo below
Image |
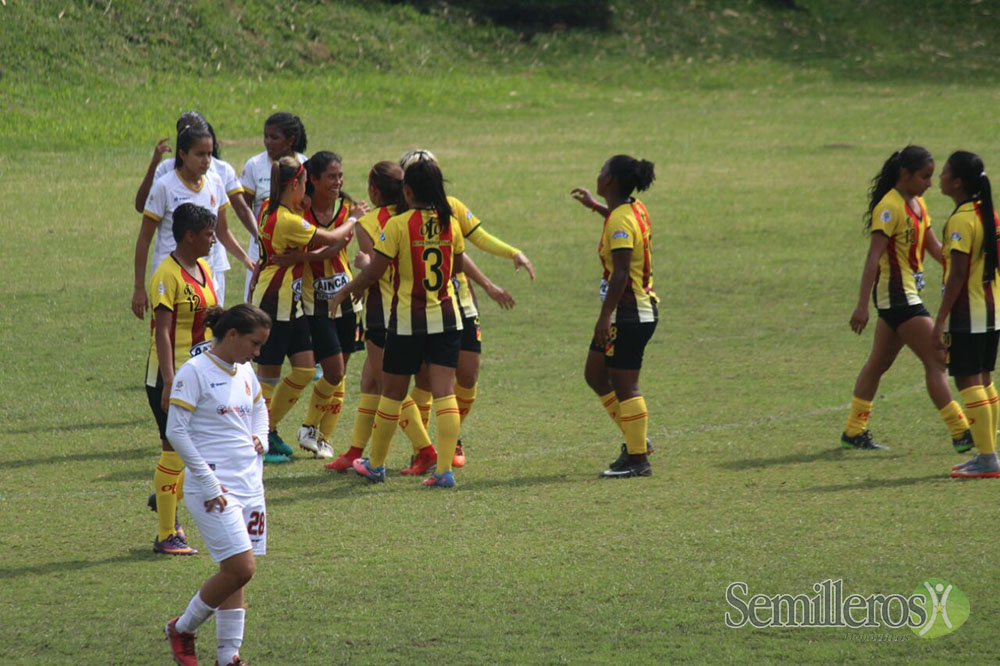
501	296
583	195
160	149
359	209
521	259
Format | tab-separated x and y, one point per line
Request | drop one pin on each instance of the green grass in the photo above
762	167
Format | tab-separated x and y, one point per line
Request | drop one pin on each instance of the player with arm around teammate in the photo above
218	424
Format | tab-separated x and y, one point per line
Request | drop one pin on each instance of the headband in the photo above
295	177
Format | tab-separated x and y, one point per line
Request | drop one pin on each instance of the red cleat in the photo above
345	461
459	459
423	461
181	644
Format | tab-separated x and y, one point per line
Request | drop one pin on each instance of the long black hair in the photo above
289	125
425	179
187	137
244	318
631	174
388	178
317	164
968	167
912	158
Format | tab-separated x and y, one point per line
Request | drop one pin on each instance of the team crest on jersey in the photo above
885	216
381	236
620	234
955	236
179	384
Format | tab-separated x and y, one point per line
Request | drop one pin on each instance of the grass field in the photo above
761	175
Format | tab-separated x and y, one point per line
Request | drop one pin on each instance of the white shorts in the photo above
240	527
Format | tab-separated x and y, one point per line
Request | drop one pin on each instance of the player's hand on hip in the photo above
219	501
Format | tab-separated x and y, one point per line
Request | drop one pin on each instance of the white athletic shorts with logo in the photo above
240	527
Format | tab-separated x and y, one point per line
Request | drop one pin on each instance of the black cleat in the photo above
963	443
622	458
862	440
628	469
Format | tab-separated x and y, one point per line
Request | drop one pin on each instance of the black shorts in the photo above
625	349
376	337
155	394
332	336
287	339
472	336
404	354
896	317
972	353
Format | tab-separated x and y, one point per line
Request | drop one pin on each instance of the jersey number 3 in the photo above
433	268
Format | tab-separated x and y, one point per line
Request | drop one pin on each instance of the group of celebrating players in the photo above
409	305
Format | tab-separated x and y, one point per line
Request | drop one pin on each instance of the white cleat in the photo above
324	450
307	439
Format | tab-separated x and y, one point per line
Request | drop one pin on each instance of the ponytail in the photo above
912	158
631	174
387	177
427	183
244	318
969	169
283	172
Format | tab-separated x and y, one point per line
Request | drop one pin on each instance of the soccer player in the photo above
967	315
900	231
191	181
217	423
629	306
284	136
325	270
467	374
424	321
158	168
182	291
278	292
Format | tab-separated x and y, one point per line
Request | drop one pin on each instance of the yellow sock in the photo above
331	410
322	394
634	420
954	418
165	478
611	406
367	403
449	424
287	393
857	420
423	399
980	417
412	424
383	428
991	393
465	397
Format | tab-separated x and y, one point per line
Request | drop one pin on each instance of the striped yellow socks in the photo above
954	417
980	417
165	484
449	425
857	420
611	406
634	420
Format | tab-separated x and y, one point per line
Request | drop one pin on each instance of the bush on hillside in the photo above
529	13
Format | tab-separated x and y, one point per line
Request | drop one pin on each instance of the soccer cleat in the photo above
372	474
151	503
983	466
458	460
963	443
628	470
323	449
345	461
181	644
277	445
274	458
419	464
172	545
307	439
966	463
179	531
443	480
237	661
862	440
622	460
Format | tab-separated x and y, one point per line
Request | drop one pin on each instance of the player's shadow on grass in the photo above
136	554
74	427
126	475
826	455
874	484
48	459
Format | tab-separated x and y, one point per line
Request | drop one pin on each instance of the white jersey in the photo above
215	441
169	192
256	181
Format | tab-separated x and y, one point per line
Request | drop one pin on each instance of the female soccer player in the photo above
424	322
158	168
900	230
968	305
279	288
217	423
629	306
467	374
182	291
190	181
284	136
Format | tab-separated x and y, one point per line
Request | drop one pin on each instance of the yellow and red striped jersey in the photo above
187	300
378	298
324	278
278	290
423	249
901	267
627	227
975	309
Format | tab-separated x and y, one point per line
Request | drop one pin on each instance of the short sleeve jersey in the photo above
378	299
256	181
187	298
279	288
169	192
322	279
627	227
901	267
423	300
975	309
221	399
